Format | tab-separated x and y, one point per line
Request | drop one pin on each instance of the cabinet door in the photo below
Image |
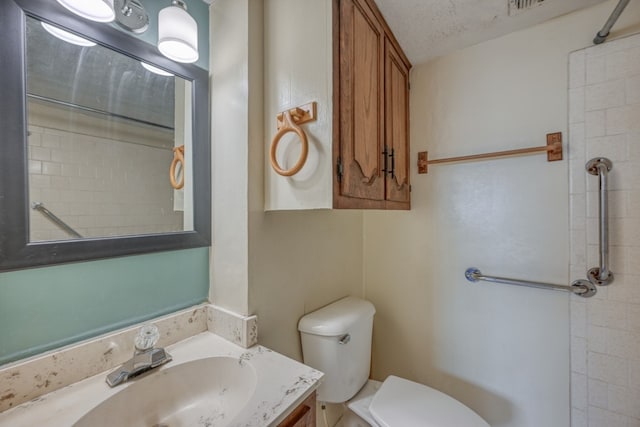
397	124
361	101
303	416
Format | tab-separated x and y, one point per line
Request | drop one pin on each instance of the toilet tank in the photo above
336	340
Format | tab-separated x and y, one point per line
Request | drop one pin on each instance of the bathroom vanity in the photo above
209	382
302	416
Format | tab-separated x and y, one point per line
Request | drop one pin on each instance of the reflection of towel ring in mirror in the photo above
178	157
289	126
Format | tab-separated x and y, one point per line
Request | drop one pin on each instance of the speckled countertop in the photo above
282	384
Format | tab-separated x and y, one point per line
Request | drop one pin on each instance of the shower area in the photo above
604	122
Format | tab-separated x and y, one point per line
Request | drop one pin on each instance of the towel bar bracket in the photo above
594	276
593	164
300	115
554	144
584	288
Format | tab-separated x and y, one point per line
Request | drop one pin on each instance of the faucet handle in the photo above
147	337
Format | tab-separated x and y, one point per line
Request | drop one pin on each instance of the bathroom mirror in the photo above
90	133
102	128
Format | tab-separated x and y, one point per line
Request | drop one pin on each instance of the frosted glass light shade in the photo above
155	70
95	10
177	34
66	36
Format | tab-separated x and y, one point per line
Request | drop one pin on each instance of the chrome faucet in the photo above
145	357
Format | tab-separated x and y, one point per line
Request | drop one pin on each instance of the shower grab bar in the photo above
39	206
583	288
601	167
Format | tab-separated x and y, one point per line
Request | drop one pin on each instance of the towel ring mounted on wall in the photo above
288	121
178	157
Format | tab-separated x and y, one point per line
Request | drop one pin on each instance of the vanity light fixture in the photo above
178	33
156	70
131	15
177	30
95	10
67	36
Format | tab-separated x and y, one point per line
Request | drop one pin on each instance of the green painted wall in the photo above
45	308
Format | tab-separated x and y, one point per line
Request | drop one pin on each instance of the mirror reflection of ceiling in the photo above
97	78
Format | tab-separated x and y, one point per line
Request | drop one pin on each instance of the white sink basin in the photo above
208	392
210	382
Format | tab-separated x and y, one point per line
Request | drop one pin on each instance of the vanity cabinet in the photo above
304	415
371	111
342	55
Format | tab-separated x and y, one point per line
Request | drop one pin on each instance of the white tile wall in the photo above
604	114
99	186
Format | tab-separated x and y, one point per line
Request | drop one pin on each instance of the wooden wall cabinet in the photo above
303	416
371	110
342	55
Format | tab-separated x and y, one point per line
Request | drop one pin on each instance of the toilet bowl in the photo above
336	340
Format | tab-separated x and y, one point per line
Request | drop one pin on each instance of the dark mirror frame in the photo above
16	251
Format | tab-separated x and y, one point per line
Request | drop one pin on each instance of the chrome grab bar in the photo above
583	288
96	111
39	206
601	167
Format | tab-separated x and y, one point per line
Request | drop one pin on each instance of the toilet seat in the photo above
404	403
359	404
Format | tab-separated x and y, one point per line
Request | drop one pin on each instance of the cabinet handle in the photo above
393	163
385	152
300	417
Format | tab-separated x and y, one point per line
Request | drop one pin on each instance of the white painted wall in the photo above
298	69
299	260
230	92
278	265
502	350
604	99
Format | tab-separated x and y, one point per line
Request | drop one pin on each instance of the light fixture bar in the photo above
131	15
177	30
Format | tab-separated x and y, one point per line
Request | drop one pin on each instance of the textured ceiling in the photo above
430	28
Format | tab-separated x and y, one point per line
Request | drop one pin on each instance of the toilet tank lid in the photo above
336	318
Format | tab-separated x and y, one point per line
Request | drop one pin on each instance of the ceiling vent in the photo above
519	6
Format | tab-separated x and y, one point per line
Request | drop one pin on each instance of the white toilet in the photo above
337	341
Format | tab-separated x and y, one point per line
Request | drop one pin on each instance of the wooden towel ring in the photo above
178	157
289	126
